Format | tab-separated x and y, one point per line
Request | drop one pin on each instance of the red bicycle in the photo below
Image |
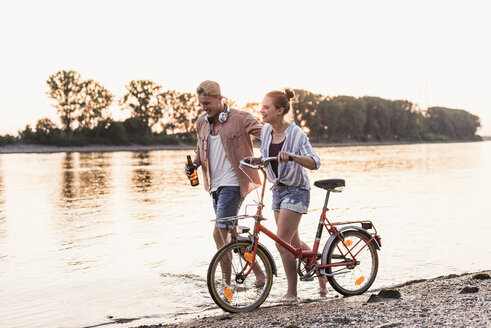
240	275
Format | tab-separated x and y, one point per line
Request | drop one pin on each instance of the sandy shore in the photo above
22	148
447	301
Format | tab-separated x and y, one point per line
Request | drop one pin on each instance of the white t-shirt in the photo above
221	171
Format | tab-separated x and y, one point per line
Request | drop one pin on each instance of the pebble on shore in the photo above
420	303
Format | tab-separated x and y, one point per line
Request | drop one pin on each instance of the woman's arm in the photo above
306	157
306	161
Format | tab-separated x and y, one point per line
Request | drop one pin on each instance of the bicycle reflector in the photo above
359	281
348	243
228	293
248	257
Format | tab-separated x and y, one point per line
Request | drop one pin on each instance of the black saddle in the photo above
328	184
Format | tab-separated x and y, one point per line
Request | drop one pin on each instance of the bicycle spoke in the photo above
228	285
359	272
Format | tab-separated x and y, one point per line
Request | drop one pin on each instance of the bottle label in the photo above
193	176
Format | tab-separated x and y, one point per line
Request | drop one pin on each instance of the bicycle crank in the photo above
303	272
240	278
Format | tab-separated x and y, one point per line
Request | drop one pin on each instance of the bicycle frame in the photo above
310	256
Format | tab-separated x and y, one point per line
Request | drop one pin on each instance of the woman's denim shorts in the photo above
291	198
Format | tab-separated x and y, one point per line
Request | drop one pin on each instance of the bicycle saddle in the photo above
329	183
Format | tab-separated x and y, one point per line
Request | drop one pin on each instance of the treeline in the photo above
168	117
343	118
156	116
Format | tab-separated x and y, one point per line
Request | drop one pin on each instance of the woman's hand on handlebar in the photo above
284	156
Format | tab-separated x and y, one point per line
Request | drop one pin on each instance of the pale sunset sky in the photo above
433	53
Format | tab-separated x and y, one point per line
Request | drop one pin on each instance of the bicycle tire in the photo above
354	280
236	295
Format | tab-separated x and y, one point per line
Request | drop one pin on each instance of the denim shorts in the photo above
291	198
226	202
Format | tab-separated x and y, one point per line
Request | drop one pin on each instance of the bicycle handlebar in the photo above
264	163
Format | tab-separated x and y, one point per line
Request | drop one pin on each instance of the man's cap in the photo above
209	88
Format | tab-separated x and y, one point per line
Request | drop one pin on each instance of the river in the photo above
120	239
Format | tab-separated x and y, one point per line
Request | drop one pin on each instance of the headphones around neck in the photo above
222	117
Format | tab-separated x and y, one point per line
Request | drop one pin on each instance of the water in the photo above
121	239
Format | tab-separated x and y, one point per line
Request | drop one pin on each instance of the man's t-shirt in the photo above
221	171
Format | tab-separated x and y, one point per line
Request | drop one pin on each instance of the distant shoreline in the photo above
22	148
34	148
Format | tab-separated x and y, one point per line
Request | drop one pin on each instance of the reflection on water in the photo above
68	193
93	174
142	177
84	175
93	238
2	215
80	224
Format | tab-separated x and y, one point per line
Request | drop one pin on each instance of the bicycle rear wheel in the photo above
352	279
228	286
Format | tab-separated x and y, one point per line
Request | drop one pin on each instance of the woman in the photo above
291	186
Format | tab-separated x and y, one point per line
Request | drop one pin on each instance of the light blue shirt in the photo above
296	142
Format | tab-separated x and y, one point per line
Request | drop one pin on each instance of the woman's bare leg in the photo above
287	222
297	242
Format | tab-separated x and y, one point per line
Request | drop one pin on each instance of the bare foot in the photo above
287	299
260	281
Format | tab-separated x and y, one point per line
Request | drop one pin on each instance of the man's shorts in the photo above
291	198
226	203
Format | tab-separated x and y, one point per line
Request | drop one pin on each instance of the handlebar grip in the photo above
265	161
248	164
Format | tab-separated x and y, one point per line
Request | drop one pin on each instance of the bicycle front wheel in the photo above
227	284
357	278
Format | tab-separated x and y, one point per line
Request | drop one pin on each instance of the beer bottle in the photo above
193	177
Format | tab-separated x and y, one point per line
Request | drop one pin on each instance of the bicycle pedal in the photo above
306	278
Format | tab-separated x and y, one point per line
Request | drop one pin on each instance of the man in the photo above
224	138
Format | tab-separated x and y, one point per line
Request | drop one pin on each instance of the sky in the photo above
433	53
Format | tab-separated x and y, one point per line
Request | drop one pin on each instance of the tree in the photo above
452	123
133	126
116	133
27	135
170	100
65	88
96	100
45	126
143	101
230	103
181	111
47	132
253	108
304	110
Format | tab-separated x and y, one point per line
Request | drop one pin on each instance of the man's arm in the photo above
253	126
197	158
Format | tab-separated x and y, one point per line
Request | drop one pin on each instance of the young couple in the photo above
224	138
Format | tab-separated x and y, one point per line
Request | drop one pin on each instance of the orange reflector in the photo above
359	281
227	292
348	243
248	257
